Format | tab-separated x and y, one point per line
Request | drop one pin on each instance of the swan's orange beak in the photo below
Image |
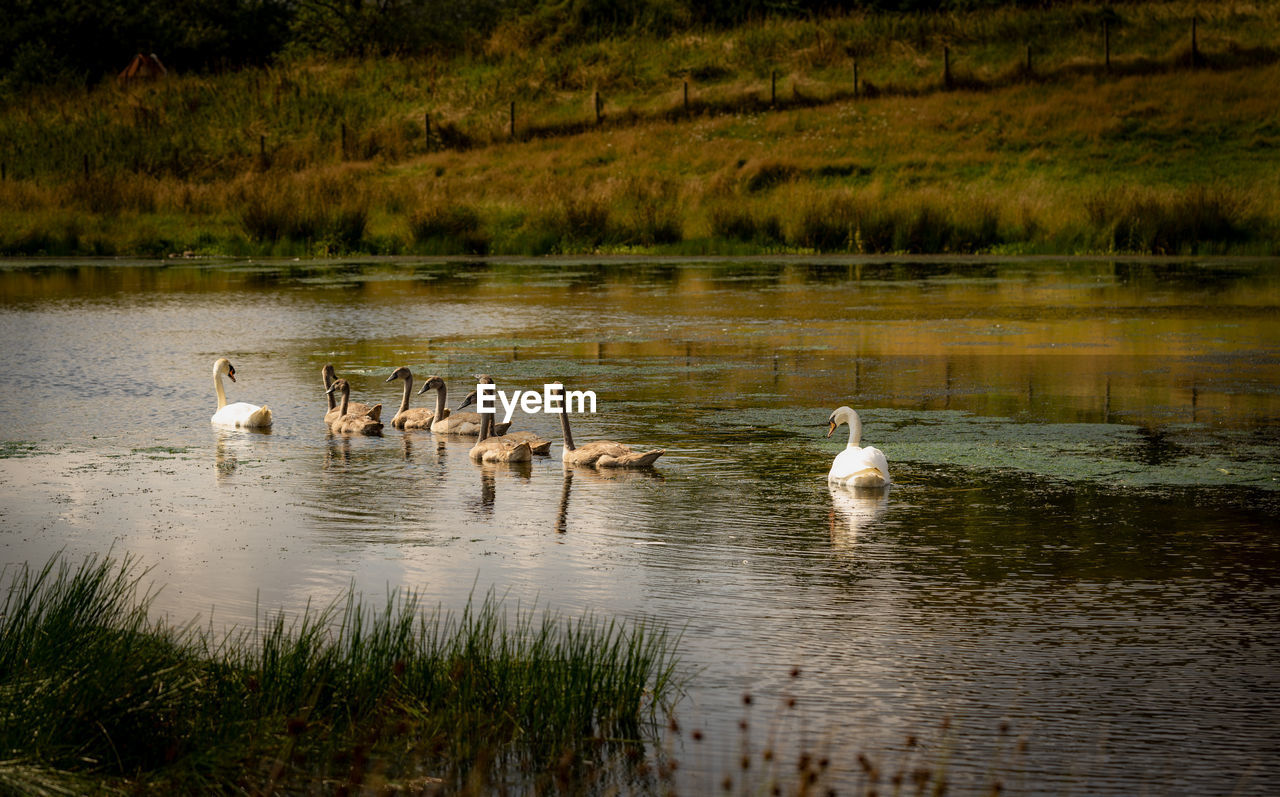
831	429
232	374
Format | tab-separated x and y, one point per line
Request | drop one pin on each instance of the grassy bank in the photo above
1165	150
97	695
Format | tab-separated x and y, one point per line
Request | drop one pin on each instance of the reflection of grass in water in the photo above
11	449
97	693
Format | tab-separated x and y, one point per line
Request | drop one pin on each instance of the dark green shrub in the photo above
449	228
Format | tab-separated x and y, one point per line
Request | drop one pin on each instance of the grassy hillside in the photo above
1165	150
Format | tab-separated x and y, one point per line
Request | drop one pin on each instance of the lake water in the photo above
1071	588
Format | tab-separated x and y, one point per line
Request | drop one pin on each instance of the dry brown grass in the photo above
1069	159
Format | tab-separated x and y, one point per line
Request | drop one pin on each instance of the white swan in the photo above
241	413
856	467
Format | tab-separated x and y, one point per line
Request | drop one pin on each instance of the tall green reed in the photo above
92	687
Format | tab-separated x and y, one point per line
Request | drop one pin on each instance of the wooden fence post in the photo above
1106	42
597	106
855	77
1195	45
773	87
513	119
86	166
946	67
344	140
426	126
686	96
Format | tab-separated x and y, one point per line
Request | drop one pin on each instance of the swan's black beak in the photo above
332	387
466	402
831	428
425	387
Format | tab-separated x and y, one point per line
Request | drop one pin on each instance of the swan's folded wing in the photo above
860	467
632	459
877	460
537	444
608	454
261	418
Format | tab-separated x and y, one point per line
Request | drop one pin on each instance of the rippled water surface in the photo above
1072	587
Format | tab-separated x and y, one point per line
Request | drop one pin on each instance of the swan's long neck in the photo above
855	430
404	398
328	383
217	387
486	418
564	421
440	402
346	396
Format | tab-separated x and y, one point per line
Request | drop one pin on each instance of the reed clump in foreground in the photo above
97	694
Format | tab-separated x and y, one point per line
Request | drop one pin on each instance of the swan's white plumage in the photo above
856	466
860	467
240	413
243	414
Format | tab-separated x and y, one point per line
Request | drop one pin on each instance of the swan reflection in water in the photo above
230	446
421	442
854	510
489	472
337	452
562	515
598	477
